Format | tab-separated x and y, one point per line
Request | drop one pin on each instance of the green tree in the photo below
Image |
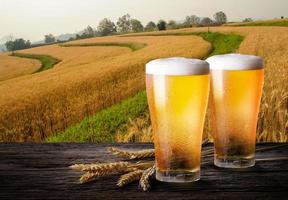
220	17
172	24
106	27
151	26
89	31
191	20
248	20
49	39
161	25
136	25
206	21
17	44
124	24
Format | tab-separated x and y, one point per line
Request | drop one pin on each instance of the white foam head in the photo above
235	62
177	67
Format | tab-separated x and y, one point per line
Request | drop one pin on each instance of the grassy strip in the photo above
221	43
102	126
132	46
267	23
47	62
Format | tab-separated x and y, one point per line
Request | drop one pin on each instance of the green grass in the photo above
47	62
132	46
221	43
102	126
267	23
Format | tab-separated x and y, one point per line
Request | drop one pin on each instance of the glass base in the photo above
233	162
177	176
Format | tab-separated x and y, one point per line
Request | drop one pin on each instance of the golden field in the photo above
87	80
91	78
272	44
11	67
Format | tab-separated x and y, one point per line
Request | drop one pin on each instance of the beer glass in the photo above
177	90
236	88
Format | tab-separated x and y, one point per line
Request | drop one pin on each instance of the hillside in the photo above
87	80
274	22
92	78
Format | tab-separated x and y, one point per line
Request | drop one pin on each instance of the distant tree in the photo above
172	24
282	17
206	21
124	24
151	26
248	20
17	44
191	20
49	39
136	25
106	27
89	31
220	17
161	25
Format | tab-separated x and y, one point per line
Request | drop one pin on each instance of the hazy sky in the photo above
32	19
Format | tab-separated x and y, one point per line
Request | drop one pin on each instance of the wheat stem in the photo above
132	154
110	167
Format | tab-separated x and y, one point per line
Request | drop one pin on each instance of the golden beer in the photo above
177	90
236	88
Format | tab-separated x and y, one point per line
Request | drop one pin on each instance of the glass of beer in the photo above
177	90
236	88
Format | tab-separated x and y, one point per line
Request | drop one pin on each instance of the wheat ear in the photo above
149	153
144	182
91	176
129	178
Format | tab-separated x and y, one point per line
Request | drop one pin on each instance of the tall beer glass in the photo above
177	90
236	85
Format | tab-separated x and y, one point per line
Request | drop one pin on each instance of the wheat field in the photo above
88	79
12	67
91	78
271	43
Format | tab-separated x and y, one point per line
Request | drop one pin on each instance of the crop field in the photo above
274	22
272	44
11	67
91	78
87	80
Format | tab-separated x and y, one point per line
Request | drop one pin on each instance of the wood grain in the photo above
40	171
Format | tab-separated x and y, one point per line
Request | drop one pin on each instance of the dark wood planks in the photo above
40	171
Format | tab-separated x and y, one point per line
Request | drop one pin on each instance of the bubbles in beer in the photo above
177	66
235	62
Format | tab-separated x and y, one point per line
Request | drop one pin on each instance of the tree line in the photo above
125	24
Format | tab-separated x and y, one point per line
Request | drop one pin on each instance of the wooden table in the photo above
40	171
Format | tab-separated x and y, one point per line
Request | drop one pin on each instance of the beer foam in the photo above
235	62
177	66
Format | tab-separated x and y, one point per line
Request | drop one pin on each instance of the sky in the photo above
32	19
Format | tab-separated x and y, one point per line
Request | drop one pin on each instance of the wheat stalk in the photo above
107	167
77	166
144	182
149	153
129	178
